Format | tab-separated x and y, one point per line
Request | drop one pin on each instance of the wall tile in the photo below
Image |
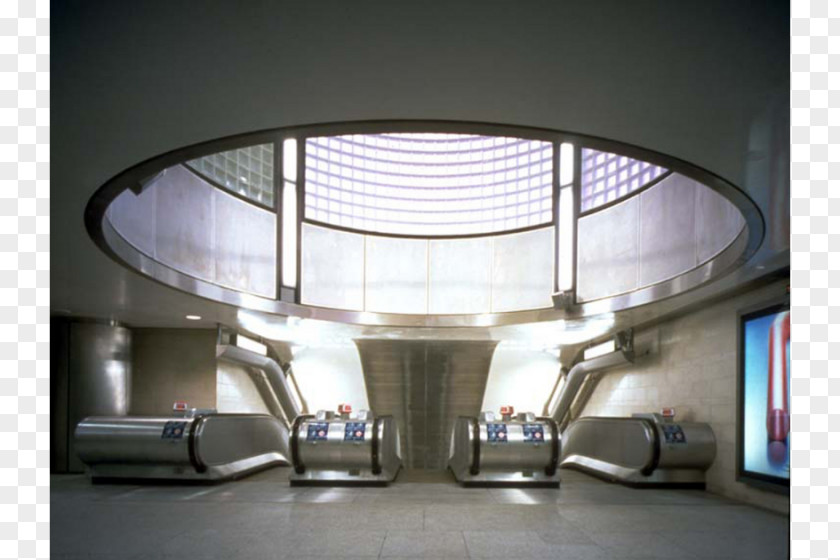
695	371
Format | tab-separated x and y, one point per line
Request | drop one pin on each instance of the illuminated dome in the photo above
424	224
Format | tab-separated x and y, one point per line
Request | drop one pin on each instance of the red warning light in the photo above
179	406
344	408
669	412
505	410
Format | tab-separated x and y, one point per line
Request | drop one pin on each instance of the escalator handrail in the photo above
551	468
475	467
297	464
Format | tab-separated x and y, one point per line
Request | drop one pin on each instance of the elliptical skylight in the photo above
428	184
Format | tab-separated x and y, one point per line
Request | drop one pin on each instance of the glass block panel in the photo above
429	184
248	171
606	177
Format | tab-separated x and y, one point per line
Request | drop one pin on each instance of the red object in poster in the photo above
778	413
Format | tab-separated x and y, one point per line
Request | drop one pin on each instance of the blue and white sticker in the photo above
173	430
673	433
317	431
354	431
533	433
497	433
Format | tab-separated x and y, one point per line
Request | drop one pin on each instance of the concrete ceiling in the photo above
705	82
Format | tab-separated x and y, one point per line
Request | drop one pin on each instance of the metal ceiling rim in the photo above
112	244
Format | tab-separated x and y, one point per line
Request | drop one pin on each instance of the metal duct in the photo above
273	374
577	375
268	395
425	385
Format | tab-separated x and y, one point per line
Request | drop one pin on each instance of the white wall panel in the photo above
328	376
608	251
718	223
186	216
667	237
460	274
133	216
396	274
236	392
333	269
246	246
521	378
523	270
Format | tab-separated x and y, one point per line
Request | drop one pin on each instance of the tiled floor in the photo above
422	515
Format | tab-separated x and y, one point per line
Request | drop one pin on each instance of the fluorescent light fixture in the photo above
567	164
193	317
599	350
250	344
289	234
565	243
290	159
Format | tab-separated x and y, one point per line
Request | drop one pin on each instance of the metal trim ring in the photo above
551	468
109	240
475	467
192	445
294	449
375	465
657	449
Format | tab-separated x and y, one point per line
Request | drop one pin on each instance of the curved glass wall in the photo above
421	228
606	177
426	184
248	172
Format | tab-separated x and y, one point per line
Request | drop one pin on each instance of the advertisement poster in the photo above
766	368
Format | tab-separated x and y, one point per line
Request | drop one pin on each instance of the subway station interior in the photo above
429	280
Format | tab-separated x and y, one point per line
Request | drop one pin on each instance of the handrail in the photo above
575	377
273	373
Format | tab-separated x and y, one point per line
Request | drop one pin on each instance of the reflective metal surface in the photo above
99	376
642	450
512	461
273	374
209	447
346	449
425	385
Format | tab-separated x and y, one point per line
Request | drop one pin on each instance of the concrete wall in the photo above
694	371
171	365
235	390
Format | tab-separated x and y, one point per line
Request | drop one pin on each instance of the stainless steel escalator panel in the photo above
624	442
224	439
425	385
356	449
644	450
212	447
